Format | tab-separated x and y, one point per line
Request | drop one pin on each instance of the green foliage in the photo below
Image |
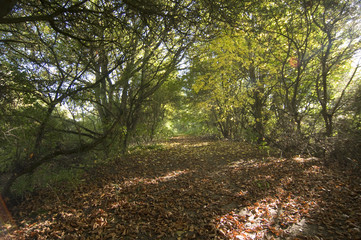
96	77
262	184
236	81
145	148
266	84
190	120
50	177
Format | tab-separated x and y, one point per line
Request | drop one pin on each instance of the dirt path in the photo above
191	188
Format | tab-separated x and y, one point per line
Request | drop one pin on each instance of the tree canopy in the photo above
84	80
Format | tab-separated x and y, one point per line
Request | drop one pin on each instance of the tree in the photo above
282	58
87	69
291	26
238	82
339	40
52	75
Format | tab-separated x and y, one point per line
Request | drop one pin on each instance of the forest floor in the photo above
191	188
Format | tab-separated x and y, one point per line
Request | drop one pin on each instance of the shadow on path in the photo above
200	189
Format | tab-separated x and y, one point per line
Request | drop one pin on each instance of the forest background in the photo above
83	82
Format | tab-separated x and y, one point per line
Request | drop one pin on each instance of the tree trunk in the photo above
328	119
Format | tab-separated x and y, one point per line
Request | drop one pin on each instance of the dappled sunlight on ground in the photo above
196	144
254	163
192	144
282	213
199	190
268	216
171	144
298	202
302	159
140	180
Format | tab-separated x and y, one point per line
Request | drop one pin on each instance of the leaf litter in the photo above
194	188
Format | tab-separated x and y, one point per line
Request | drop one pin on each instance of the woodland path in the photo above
191	188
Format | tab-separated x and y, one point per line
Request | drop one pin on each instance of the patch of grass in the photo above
141	148
262	184
48	177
